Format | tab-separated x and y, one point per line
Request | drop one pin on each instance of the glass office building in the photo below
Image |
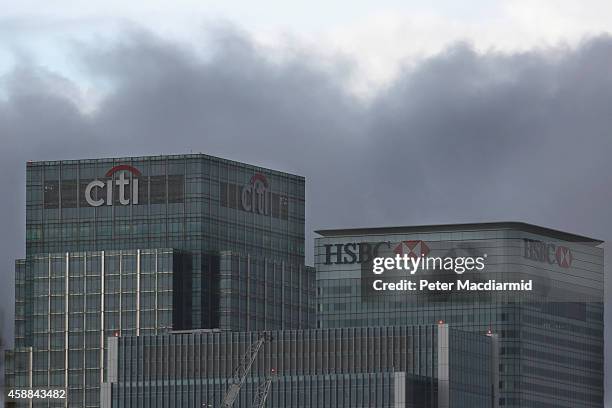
551	339
145	245
146	278
198	204
77	301
430	366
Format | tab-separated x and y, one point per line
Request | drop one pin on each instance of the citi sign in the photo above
105	190
548	252
255	196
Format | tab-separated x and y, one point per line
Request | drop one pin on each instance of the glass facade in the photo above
349	367
261	294
77	300
152	275
551	344
141	246
194	203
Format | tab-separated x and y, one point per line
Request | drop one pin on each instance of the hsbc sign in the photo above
104	190
352	252
363	252
548	252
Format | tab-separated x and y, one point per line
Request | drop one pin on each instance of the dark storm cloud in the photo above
461	137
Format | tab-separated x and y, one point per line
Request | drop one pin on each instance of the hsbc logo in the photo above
548	252
363	252
104	190
413	248
353	252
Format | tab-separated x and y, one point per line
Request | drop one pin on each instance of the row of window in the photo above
79	322
153	190
92	303
55	267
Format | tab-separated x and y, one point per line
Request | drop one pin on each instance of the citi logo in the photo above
105	190
255	196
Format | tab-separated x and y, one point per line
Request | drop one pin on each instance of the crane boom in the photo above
242	371
261	393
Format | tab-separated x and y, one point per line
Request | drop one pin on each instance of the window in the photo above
93	303
76	285
75	303
75	323
284	207
93	285
143	190
158	189
224	188
275	205
51	194
176	186
92	321
230	195
69	193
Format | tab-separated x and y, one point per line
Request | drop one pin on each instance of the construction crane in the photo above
242	371
261	393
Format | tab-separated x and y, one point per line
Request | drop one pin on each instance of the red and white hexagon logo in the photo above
564	256
413	249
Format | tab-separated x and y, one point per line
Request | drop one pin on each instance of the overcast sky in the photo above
396	113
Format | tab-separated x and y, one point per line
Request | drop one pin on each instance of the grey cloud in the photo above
461	137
